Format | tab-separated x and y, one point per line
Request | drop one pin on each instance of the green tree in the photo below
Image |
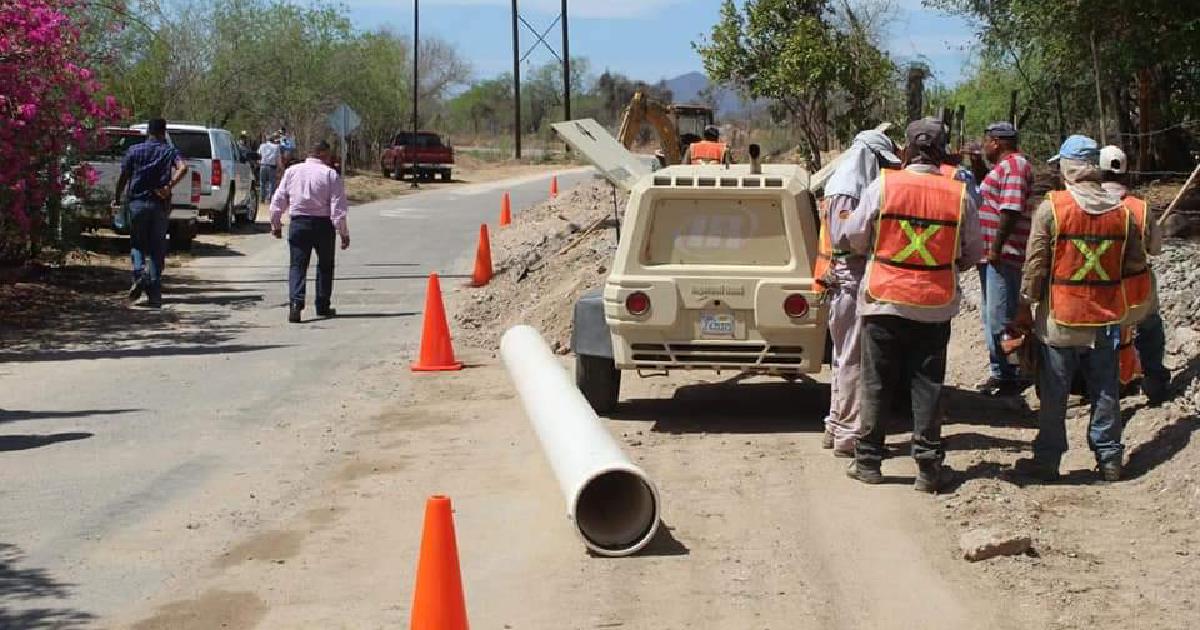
803	55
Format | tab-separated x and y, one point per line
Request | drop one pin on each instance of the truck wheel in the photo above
398	174
182	235
224	219
252	207
445	176
386	173
599	380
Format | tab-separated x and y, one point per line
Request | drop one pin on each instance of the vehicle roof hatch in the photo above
616	163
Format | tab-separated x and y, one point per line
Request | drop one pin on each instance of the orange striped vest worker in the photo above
1085	274
916	240
1137	286
707	152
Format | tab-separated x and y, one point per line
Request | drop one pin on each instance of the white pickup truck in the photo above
91	208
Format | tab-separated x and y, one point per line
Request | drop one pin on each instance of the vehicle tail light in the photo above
795	306
637	303
195	188
216	172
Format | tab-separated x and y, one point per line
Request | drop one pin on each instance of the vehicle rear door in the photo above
196	147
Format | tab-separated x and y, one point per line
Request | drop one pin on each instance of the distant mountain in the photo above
687	88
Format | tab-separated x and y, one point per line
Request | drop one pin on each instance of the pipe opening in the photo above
616	511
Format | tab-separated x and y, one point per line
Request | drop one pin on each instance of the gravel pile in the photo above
550	255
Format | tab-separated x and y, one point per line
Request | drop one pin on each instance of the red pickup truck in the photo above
421	155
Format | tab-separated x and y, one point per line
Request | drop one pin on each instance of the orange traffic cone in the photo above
483	259
438	601
554	186
505	211
437	353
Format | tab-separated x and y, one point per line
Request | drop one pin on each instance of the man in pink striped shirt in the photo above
315	198
1004	222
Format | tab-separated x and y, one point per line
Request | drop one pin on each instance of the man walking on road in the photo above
1141	290
839	272
1081	245
1004	221
268	169
151	169
315	197
920	230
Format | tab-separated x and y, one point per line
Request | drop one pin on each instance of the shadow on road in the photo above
165	350
26	442
733	407
13	415
26	585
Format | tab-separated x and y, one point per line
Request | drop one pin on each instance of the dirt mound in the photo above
551	255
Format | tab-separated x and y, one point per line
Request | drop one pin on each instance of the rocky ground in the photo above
1099	555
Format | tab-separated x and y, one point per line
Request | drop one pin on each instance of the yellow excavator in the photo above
677	126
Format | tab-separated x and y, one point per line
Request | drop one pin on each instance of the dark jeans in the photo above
1001	292
1151	343
266	182
149	221
304	235
901	355
1101	371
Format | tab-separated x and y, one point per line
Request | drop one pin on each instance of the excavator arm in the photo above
643	111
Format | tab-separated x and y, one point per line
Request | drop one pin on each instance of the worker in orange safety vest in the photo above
1082	245
709	150
919	230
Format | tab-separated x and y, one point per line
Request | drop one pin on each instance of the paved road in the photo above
128	452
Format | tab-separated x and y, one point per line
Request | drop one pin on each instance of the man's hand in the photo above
993	257
164	193
345	241
1023	321
277	231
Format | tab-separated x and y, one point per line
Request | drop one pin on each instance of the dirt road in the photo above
216	467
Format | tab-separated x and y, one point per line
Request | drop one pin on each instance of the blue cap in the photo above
1001	129
1080	148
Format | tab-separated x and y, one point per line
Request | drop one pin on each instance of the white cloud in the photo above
576	8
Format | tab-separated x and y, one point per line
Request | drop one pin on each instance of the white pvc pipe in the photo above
614	506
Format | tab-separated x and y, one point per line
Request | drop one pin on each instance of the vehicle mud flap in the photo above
589	333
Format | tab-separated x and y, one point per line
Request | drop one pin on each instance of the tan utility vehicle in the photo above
677	126
713	271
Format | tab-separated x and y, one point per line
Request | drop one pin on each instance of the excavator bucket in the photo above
616	163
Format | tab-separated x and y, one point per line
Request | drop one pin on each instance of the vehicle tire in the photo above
599	380
224	220
386	173
445	176
182	235
252	207
398	174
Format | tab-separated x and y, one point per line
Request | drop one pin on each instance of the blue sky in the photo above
644	39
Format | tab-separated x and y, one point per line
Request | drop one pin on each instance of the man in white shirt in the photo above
268	169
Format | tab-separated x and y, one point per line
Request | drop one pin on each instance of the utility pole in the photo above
416	86
516	38
566	54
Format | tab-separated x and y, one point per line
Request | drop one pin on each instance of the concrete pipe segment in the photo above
614	506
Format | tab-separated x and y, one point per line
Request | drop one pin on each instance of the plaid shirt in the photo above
149	165
1006	189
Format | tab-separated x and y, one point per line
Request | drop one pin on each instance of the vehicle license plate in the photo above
716	324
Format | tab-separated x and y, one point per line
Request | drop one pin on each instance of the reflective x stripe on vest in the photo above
916	240
1137	286
707	152
1085	274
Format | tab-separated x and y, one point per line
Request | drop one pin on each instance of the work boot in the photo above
1037	469
327	312
932	476
1110	470
294	313
827	440
864	473
135	291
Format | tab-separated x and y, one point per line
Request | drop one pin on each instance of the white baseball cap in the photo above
1112	159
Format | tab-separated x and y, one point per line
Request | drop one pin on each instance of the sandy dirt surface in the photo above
304	511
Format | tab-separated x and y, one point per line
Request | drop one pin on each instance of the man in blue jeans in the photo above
1080	247
1004	222
151	169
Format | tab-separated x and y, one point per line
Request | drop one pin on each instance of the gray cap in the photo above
1002	129
926	133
